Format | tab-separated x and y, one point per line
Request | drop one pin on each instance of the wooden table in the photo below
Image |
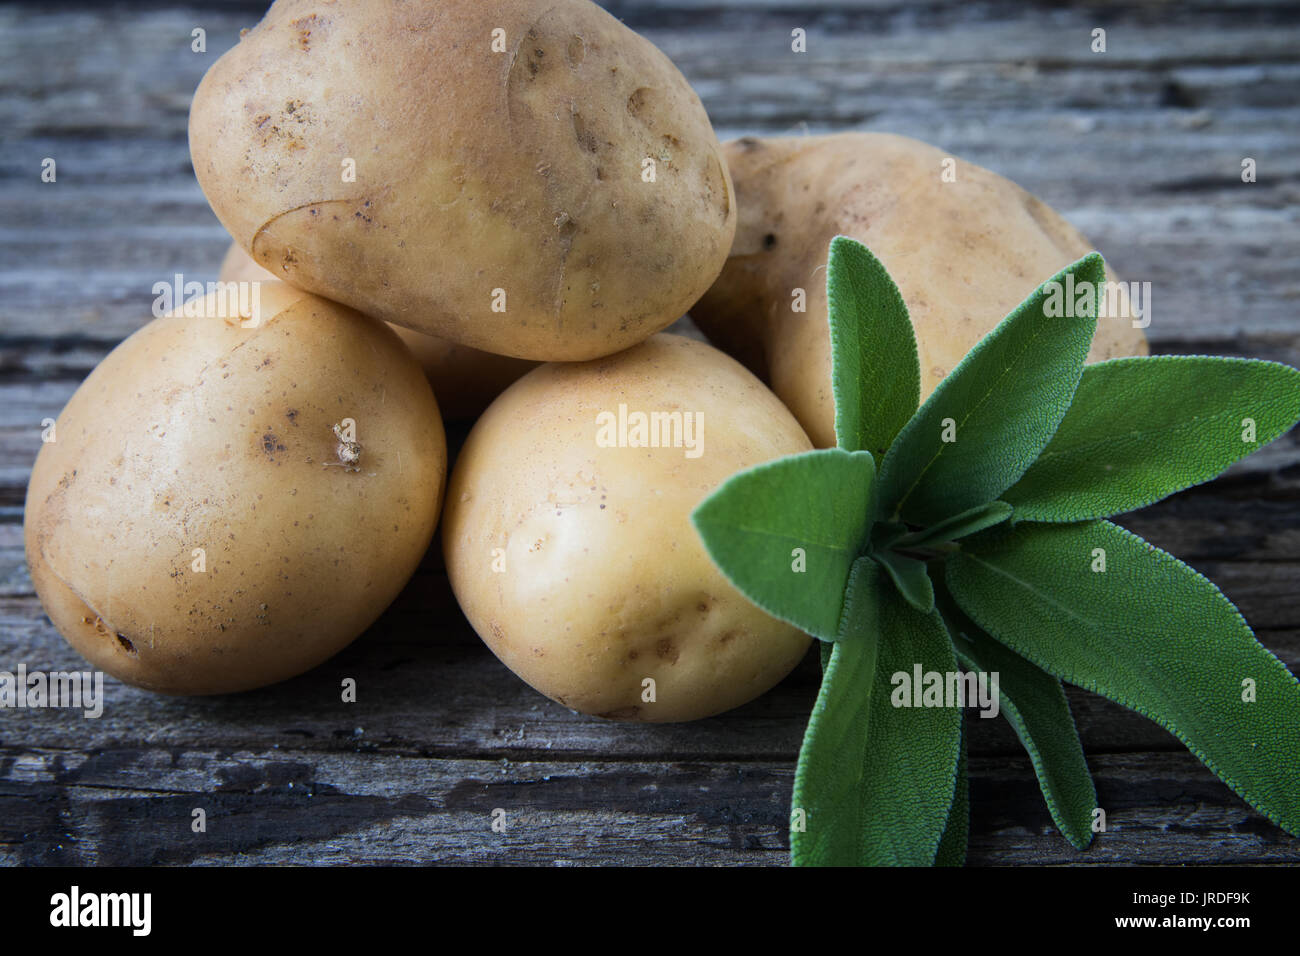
1140	146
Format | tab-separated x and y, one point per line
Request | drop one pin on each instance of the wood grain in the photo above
1141	147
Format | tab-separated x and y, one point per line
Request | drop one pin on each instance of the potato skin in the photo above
475	170
197	433
964	254
465	380
605	580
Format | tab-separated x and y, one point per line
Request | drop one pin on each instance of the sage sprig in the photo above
971	531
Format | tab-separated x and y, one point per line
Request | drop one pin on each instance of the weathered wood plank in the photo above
135	806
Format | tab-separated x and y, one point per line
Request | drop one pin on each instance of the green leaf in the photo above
958	526
1141	429
911	579
876	782
956	833
1004	401
875	370
1034	703
757	522
828	778
1151	634
885	534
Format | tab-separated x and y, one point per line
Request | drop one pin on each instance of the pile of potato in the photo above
527	193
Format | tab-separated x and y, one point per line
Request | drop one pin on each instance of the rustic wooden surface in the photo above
1140	146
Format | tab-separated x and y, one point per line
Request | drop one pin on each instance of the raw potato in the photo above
465	380
964	254
196	433
522	171
577	563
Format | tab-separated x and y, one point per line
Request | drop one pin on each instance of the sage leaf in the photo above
886	534
786	533
875	369
910	577
1140	429
875	782
996	411
959	526
1095	605
956	833
828	777
1034	704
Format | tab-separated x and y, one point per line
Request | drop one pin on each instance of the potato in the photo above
574	558
526	177
465	380
238	266
963	254
196	526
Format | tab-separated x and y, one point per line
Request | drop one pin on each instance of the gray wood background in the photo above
1141	147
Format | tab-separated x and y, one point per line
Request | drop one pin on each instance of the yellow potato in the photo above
963	254
238	266
465	380
573	555
196	526
526	177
